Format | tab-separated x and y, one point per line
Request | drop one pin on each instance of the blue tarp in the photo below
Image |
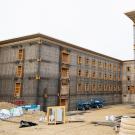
32	107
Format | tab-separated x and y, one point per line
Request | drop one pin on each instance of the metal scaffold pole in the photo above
134	53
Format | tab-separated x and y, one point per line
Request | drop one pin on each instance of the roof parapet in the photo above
131	15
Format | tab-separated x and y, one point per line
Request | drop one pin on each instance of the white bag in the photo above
16	111
4	114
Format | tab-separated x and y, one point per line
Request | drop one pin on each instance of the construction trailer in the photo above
46	71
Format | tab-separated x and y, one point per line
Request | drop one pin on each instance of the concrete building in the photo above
47	71
128	82
43	70
129	71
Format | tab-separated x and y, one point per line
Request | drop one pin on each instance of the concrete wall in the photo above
128	96
43	58
112	96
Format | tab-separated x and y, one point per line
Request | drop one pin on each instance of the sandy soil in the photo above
6	105
81	128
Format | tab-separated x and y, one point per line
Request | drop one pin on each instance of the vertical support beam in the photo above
38	70
59	79
134	54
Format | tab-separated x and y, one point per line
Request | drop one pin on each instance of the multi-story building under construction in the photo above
46	71
129	71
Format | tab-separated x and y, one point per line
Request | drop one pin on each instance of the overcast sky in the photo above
99	25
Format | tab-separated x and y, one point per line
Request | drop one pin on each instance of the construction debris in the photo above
31	107
76	119
26	124
11	125
74	113
5	114
112	121
127	126
18	111
103	123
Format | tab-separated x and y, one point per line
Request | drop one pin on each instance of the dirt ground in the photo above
78	128
6	105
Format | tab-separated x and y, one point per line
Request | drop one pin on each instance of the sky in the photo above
98	25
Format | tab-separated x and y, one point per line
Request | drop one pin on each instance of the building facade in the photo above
128	82
43	70
47	71
129	70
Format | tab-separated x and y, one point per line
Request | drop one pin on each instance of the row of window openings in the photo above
80	87
18	87
19	72
100	64
93	75
21	55
128	69
87	87
66	58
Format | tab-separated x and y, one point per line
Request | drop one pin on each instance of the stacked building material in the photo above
127	126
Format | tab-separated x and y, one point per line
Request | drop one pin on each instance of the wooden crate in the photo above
56	114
